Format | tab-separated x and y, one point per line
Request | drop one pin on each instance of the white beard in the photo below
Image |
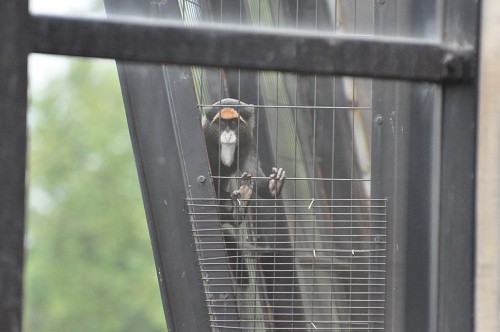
227	147
227	153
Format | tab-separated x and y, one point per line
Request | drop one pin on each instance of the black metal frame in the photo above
315	53
435	244
14	41
450	274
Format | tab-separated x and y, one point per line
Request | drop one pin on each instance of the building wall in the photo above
488	180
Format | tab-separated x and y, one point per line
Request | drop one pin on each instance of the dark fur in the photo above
245	154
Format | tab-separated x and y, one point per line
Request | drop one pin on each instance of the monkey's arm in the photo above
239	209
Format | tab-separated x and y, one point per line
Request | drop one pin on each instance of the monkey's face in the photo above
228	126
228	122
228	129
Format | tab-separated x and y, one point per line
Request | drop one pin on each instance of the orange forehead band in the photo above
228	113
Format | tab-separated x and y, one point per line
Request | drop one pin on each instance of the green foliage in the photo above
89	264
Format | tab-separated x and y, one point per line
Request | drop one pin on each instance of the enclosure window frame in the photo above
453	67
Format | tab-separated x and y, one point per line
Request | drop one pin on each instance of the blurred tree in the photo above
89	261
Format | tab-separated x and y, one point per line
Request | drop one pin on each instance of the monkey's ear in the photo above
210	113
207	116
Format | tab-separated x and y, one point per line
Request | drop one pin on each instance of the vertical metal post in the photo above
390	181
389	172
458	151
406	159
14	45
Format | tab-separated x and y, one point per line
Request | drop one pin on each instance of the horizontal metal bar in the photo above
300	206
234	228
315	278
360	221
314	227
316	314
301	199
250	48
308	306
346	258
316	284
219	326
292	178
308	292
305	107
356	251
215	300
251	328
318	322
301	235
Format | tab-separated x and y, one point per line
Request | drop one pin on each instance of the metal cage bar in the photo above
215	45
455	271
14	45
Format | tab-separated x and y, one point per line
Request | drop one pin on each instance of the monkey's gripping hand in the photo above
244	193
241	197
276	181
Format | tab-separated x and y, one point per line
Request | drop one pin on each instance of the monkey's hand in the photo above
276	182
242	195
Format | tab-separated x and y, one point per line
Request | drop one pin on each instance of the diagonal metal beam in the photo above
249	48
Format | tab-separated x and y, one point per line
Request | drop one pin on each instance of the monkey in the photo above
231	147
228	129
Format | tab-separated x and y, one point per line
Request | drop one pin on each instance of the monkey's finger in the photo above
246	175
235	194
278	174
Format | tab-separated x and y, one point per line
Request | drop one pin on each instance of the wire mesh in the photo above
303	273
314	257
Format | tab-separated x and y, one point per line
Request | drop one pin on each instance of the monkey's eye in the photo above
221	124
233	124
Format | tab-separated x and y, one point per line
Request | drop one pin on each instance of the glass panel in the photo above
343	17
407	18
86	8
89	262
418	19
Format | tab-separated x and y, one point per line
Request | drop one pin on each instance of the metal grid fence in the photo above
302	273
